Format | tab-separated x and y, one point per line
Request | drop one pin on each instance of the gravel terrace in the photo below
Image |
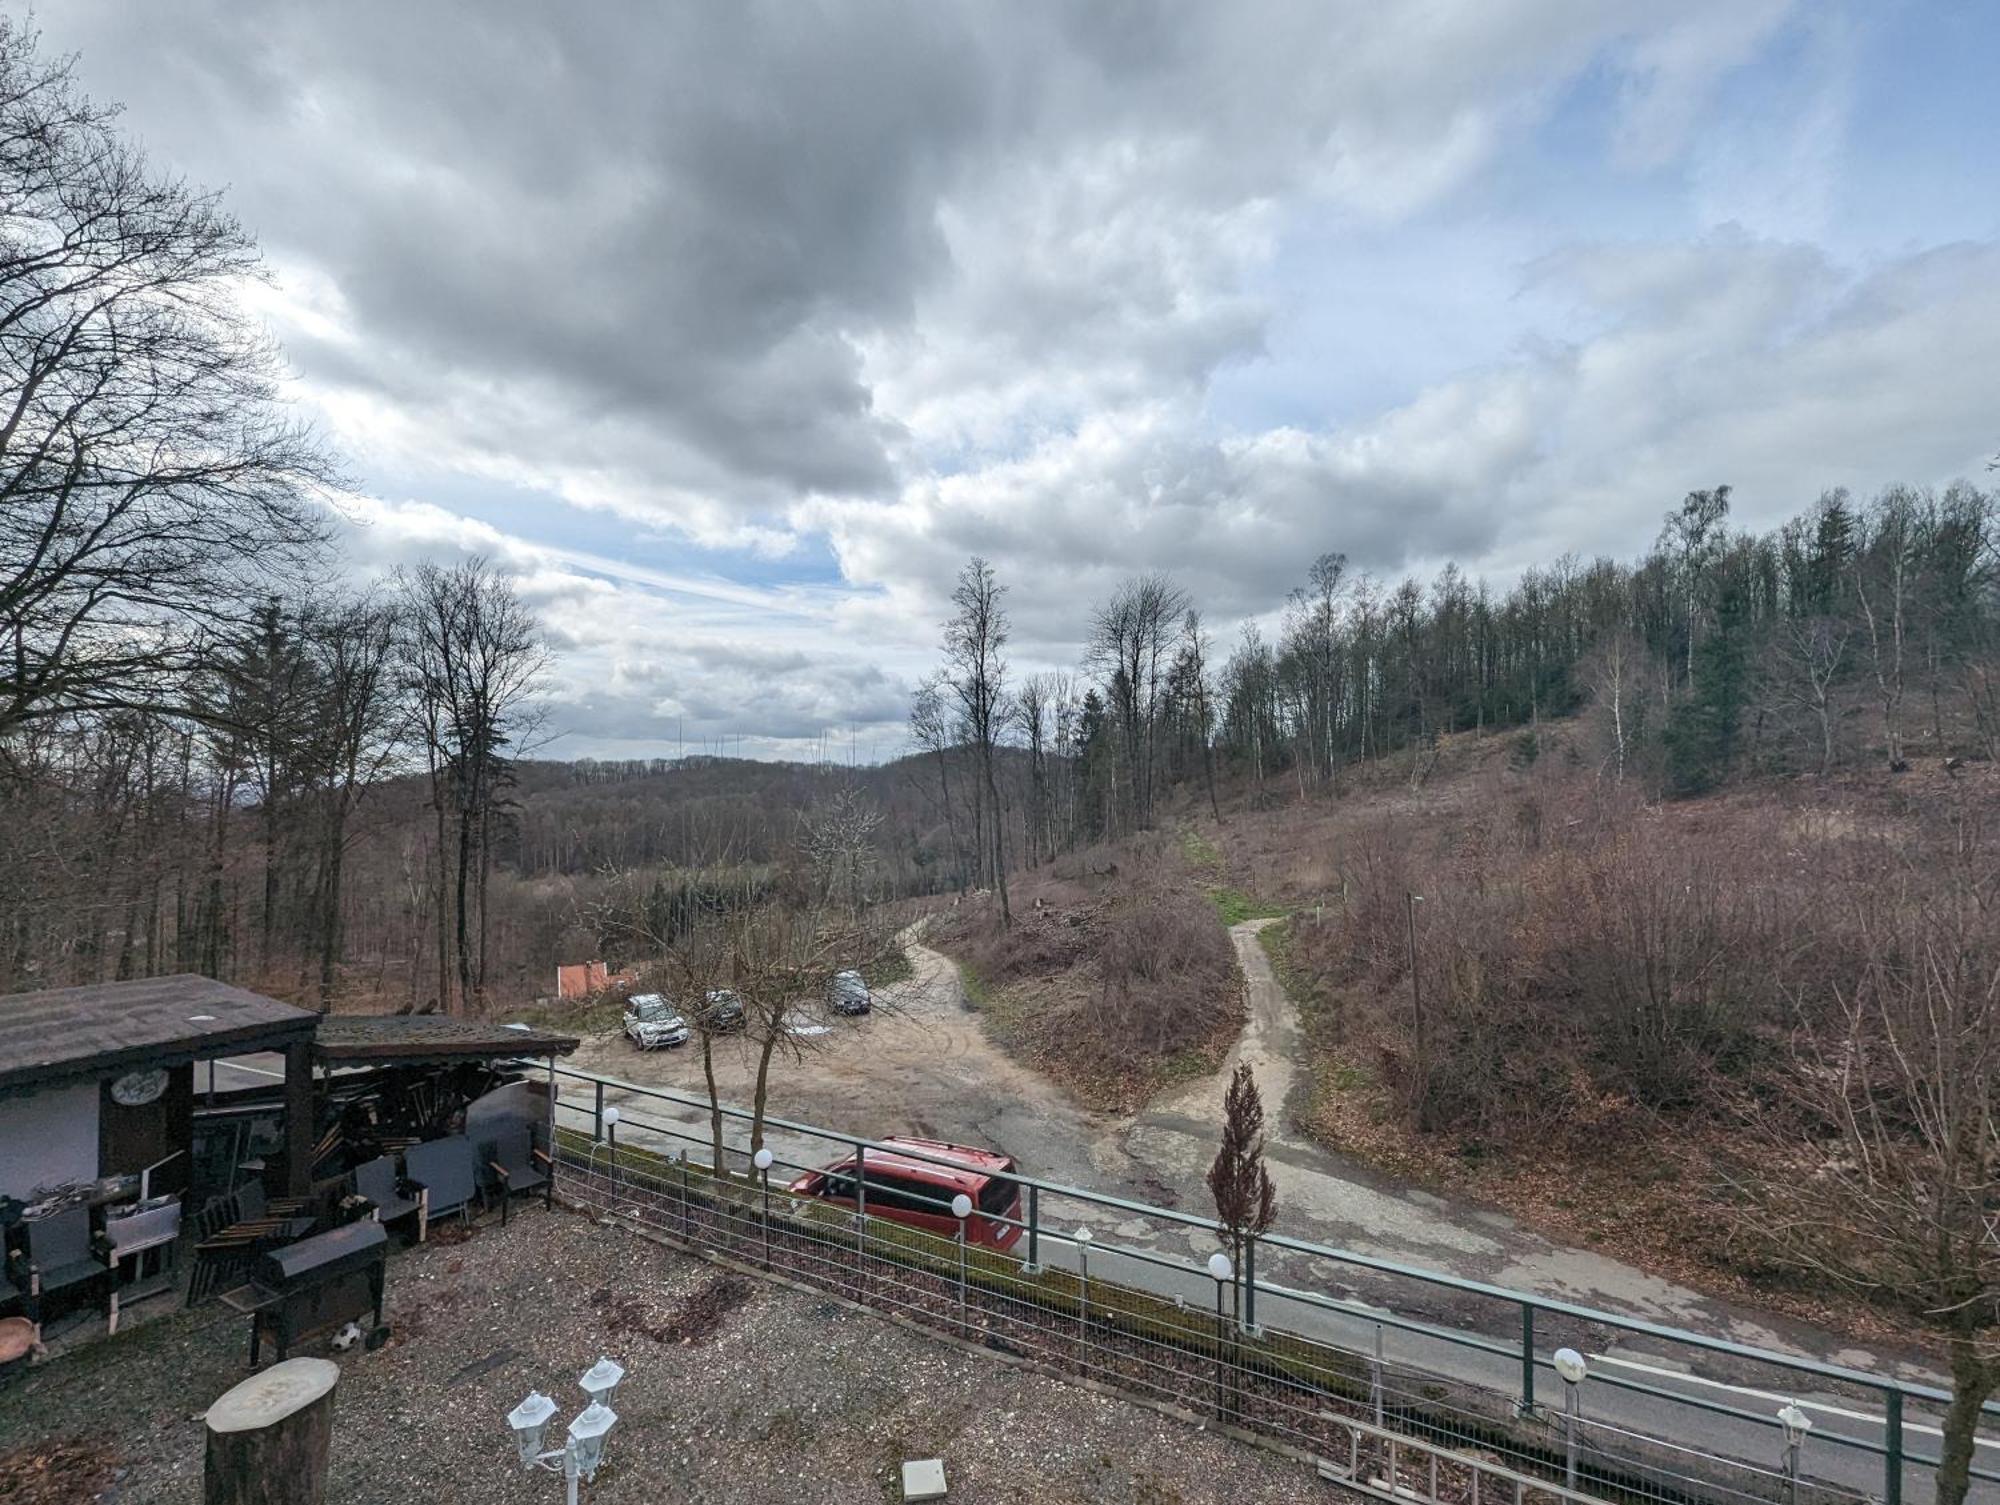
736	1391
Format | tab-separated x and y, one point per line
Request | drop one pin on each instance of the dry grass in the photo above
1116	977
1607	984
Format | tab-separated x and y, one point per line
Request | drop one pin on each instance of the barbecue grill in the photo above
318	1283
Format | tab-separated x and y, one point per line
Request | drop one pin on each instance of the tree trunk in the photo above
443	888
461	918
999	851
1972	1381
714	1102
330	916
761	1092
270	1437
950	822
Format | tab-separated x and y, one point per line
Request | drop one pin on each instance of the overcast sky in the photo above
735	328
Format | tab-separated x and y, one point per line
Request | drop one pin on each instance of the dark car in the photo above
905	1189
722	1012
847	993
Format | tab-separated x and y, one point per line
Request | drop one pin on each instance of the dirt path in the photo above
919	1064
922	1065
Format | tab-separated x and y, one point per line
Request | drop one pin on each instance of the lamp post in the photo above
1082	1238
762	1160
1796	1424
1222	1273
611	1137
1569	1364
961	1208
583	1449
1411	901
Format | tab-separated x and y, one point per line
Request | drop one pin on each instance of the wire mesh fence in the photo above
1077	1283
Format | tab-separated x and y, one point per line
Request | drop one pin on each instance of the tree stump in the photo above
269	1437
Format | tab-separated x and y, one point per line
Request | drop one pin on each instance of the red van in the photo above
905	1189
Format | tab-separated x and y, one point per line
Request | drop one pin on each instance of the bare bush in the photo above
1584	956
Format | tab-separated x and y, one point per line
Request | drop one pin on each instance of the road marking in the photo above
1809	1405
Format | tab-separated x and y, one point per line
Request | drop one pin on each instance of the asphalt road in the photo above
922	1065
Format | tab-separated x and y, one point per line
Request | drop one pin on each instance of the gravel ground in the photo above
736	1391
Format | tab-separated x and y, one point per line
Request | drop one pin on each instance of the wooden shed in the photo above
97	1081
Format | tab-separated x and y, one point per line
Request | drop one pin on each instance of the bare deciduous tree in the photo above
973	639
1885	1178
151	484
474	656
1131	636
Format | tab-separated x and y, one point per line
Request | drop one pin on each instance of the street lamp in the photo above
583	1451
961	1208
1221	1272
611	1134
601	1378
1416	1001
529	1420
1082	1238
762	1160
1796	1424
1570	1365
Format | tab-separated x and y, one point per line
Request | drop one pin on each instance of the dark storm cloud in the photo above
668	221
908	282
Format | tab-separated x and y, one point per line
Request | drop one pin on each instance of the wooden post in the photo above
300	1130
269	1437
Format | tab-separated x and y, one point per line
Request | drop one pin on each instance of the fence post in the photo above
1527	1360
1250	1327
597	1116
1034	1265
1892	1447
861	1209
1375	1376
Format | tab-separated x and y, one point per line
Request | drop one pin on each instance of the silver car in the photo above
651	1023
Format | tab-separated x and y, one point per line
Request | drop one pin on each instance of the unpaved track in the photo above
922	1065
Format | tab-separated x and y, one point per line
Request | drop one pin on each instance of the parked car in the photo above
722	1011
847	993
651	1023
905	1189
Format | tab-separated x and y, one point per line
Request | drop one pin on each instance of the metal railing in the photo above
1376	1382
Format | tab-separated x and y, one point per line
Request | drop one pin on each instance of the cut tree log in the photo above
269	1438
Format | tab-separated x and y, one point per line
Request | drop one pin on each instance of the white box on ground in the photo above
923	1479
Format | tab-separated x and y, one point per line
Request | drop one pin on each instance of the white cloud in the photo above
908	285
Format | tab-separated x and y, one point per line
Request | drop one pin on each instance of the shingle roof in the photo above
356	1039
99	1030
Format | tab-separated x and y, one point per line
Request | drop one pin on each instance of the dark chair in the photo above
246	1212
447	1172
232	1231
394	1197
513	1163
58	1253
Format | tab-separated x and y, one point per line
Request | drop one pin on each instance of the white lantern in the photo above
1082	1235
529	1420
762	1160
1569	1364
610	1118
1219	1266
586	1437
961	1207
601	1378
1795	1422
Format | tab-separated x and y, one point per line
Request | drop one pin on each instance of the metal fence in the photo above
1337	1354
